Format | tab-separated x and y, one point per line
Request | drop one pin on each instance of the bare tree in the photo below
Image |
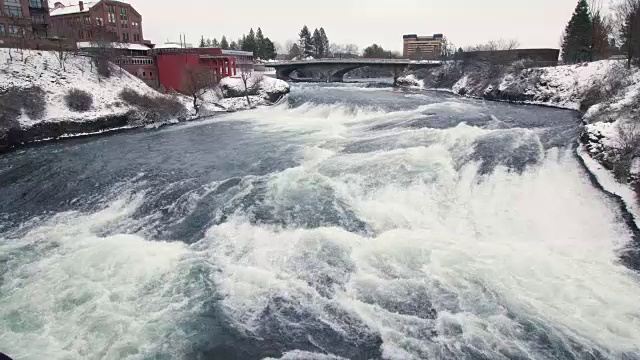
61	53
246	73
198	80
104	49
627	25
21	31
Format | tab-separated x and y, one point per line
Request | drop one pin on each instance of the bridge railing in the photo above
354	61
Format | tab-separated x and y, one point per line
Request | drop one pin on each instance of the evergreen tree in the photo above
239	43
224	44
208	42
577	44
234	46
316	39
202	42
295	52
249	42
215	43
325	43
376	51
268	49
306	45
260	45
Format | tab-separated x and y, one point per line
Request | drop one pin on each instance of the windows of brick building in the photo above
111	10
37	19
87	20
1	29
136	37
14	30
125	37
99	21
36	4
13	8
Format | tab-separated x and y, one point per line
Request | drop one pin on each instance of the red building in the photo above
172	63
23	18
86	20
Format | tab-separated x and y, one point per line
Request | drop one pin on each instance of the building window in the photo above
87	20
99	21
37	19
125	37
15	30
13	11
123	13
111	10
1	29
39	4
124	24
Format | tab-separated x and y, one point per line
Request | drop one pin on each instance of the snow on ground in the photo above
266	84
41	68
608	182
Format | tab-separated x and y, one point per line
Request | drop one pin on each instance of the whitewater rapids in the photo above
349	222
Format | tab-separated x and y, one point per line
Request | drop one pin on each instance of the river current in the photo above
347	222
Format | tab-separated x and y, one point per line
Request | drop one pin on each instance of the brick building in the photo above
115	20
23	18
173	62
422	47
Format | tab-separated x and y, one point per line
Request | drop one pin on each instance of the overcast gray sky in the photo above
535	23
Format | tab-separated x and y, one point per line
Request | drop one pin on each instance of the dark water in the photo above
351	222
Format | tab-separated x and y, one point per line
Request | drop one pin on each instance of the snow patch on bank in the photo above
42	68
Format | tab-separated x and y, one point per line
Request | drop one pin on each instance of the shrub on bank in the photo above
154	108
14	100
78	100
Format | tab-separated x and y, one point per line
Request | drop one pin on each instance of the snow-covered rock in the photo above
267	87
410	81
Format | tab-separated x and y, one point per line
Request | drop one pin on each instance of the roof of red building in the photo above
71	9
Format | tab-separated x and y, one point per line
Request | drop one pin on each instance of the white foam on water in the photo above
71	293
487	253
451	260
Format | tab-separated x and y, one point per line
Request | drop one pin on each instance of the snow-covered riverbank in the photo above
34	88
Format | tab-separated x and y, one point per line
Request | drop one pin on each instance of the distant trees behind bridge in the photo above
261	46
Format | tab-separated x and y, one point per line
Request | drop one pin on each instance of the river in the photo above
349	222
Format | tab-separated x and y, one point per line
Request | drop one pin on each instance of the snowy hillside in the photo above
42	69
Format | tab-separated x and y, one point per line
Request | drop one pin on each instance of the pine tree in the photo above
316	39
295	52
269	49
325	43
306	45
260	45
577	42
224	44
202	43
234	46
249	42
208	42
215	43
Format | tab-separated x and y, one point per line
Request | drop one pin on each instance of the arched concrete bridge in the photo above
335	69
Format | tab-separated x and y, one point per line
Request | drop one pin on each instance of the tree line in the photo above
592	35
261	46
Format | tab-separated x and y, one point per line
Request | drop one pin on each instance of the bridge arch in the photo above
335	69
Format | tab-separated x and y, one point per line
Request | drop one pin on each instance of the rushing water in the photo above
348	222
